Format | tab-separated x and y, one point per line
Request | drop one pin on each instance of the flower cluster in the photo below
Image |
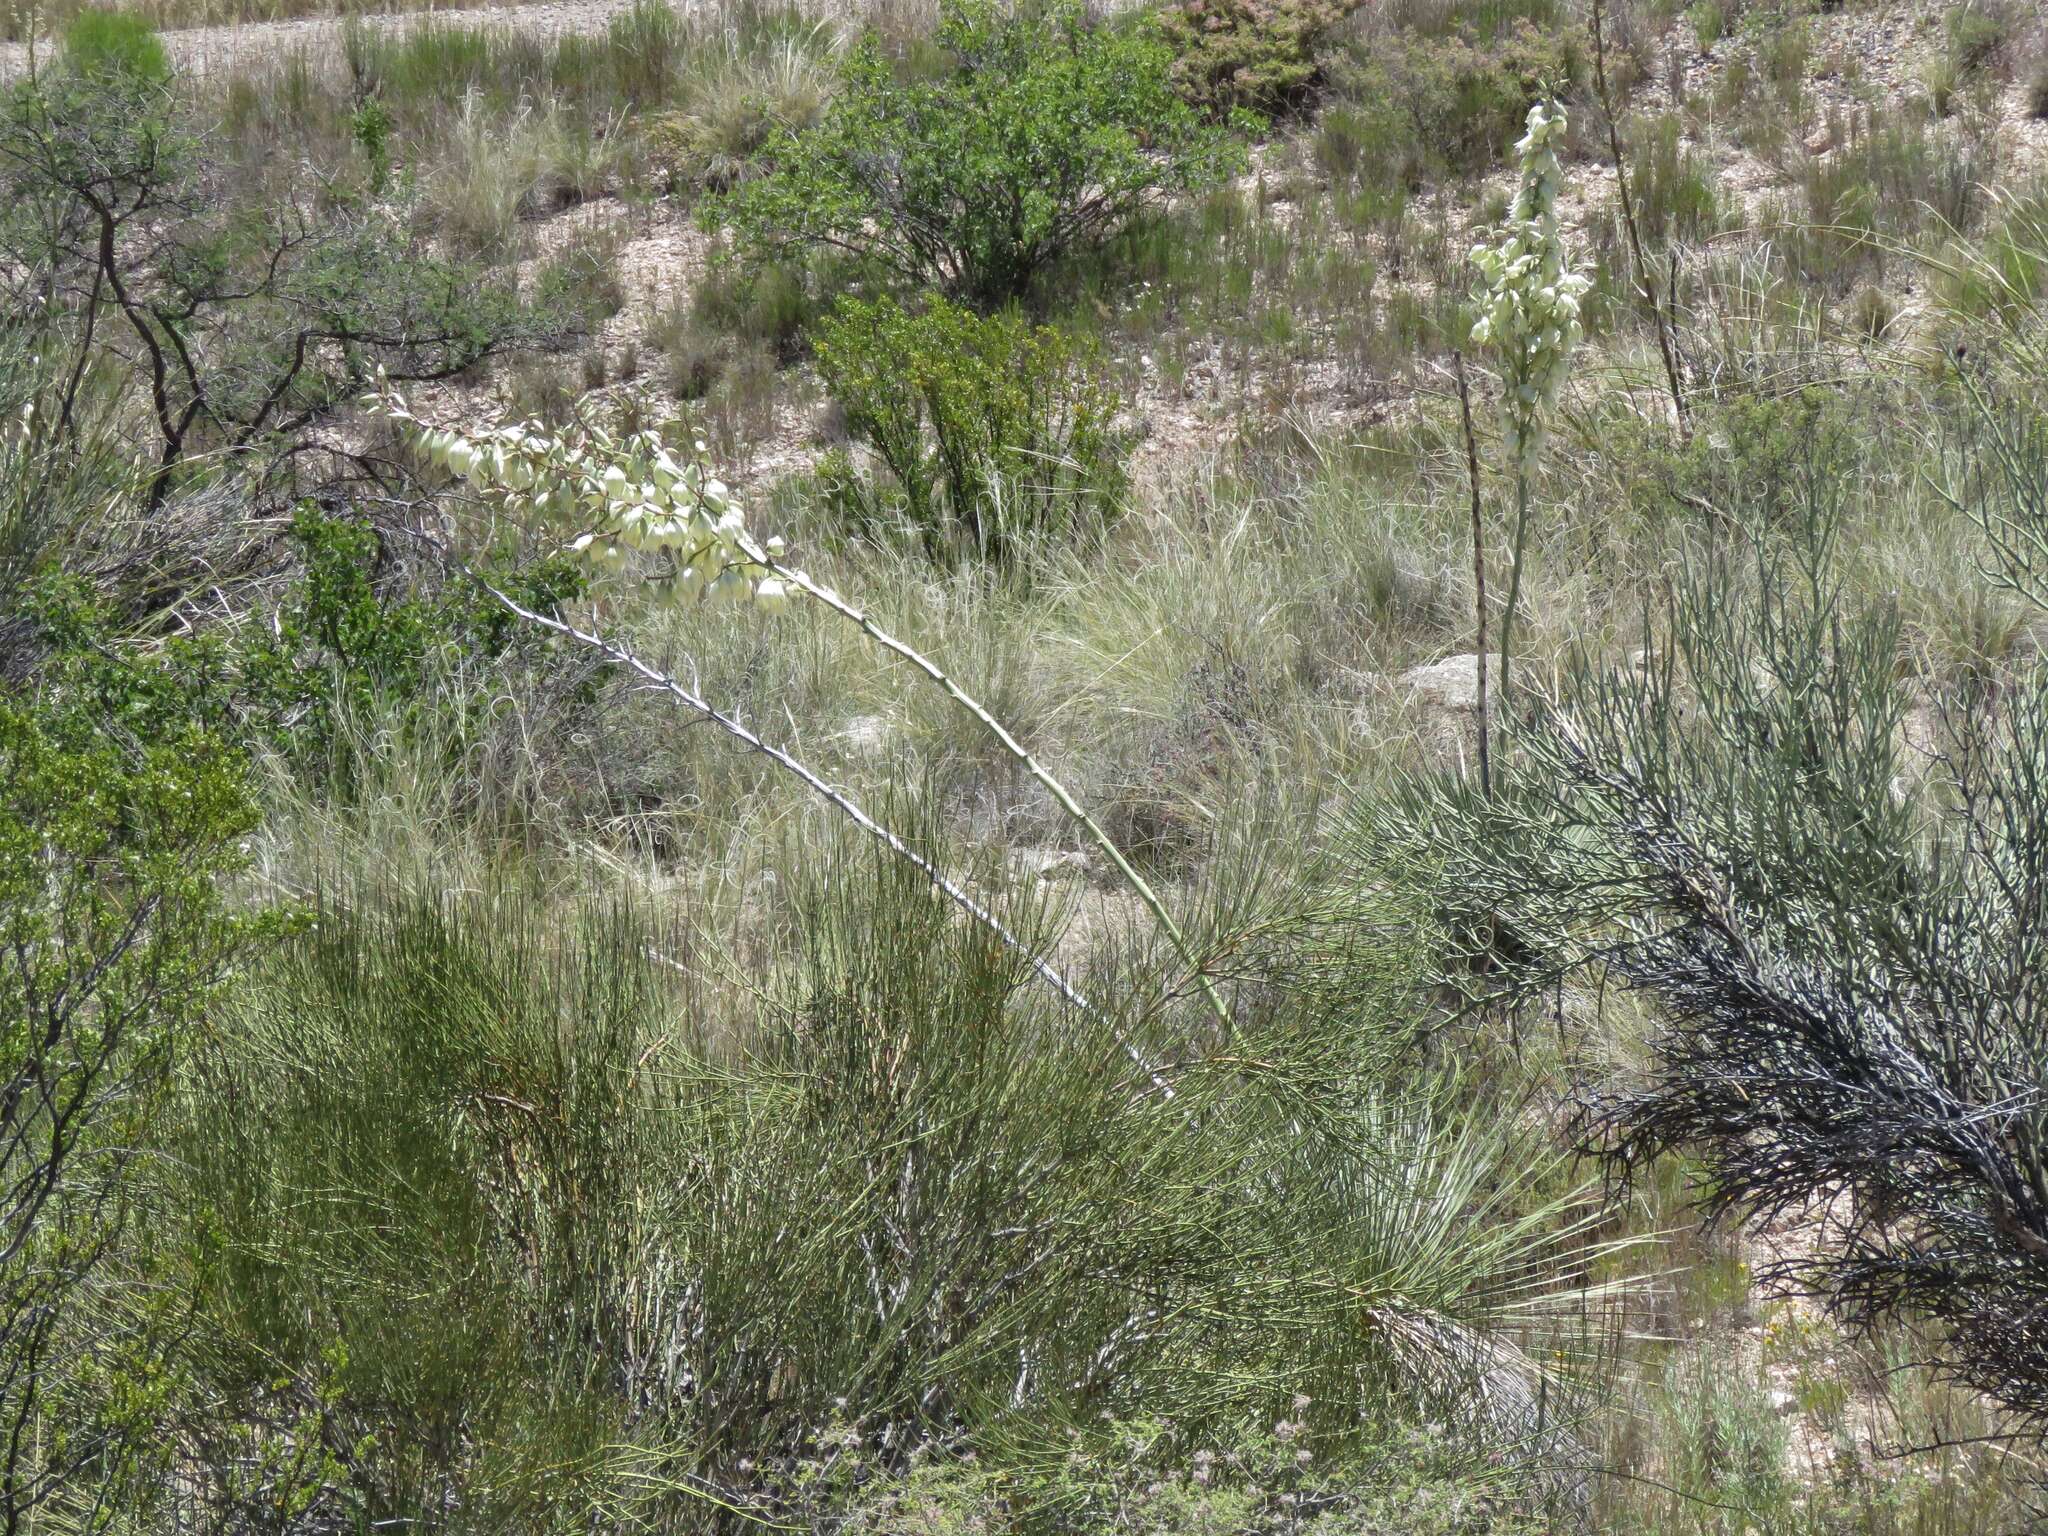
1529	304
622	493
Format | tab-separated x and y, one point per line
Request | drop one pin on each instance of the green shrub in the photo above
341	644
995	434
1039	135
116	43
1673	188
1977	31
370	126
1751	459
771	304
1714	827
1709	20
416	1098
1784	52
579	287
753	1249
1259	55
117	849
1465	96
1369	142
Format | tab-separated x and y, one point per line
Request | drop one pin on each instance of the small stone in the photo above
1452	683
866	735
1029	864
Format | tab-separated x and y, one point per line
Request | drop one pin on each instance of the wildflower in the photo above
1530	292
1529	313
631	497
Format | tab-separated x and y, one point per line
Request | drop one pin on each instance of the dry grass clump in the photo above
733	99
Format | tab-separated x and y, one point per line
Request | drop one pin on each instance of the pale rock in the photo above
866	735
1029	864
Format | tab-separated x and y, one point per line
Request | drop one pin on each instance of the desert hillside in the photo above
945	766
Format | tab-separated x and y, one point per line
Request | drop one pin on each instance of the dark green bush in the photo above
416	1100
1978	31
1833	927
773	304
344	643
1040	134
1752	460
995	434
1368	142
1893	181
1673	188
116	43
1259	55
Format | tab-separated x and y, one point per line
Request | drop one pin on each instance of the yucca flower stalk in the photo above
627	494
1529	313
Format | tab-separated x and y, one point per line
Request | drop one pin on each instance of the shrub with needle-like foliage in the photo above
1839	933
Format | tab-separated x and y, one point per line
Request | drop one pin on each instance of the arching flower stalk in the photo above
1529	313
622	495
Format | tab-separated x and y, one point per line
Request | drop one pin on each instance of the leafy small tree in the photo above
995	433
1042	134
242	322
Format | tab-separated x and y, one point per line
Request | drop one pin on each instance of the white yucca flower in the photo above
628	495
625	493
1530	292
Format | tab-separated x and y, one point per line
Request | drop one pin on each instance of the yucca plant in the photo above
631	496
1529	312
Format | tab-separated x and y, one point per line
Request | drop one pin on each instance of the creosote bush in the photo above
116	44
996	436
1036	133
